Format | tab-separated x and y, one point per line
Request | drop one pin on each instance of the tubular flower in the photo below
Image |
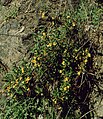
44	34
66	79
8	88
16	81
53	18
68	17
20	78
54	43
89	55
28	89
33	61
22	70
86	50
85	61
14	85
66	88
63	63
60	71
43	15
55	101
73	24
79	72
49	45
27	79
59	108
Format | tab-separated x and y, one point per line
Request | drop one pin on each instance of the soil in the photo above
19	18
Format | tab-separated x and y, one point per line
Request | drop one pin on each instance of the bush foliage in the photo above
56	80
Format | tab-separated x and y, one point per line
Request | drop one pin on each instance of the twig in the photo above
90	111
83	45
3	34
58	116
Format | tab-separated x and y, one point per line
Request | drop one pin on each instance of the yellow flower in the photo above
66	79
86	50
89	55
85	61
23	82
49	45
14	85
27	79
76	58
63	62
20	78
59	108
55	101
28	89
16	81
79	72
65	51
8	88
54	43
43	15
73	24
68	17
38	58
44	34
83	53
34	57
53	18
38	65
65	88
22	69
68	87
33	61
60	71
53	23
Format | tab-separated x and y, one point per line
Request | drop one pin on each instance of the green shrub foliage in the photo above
55	80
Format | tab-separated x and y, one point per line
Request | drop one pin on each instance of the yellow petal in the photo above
54	43
79	73
22	69
66	79
63	63
44	34
68	87
33	61
68	17
49	45
73	24
27	79
60	71
89	55
43	15
85	61
65	88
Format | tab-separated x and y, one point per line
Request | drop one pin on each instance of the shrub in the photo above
56	80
